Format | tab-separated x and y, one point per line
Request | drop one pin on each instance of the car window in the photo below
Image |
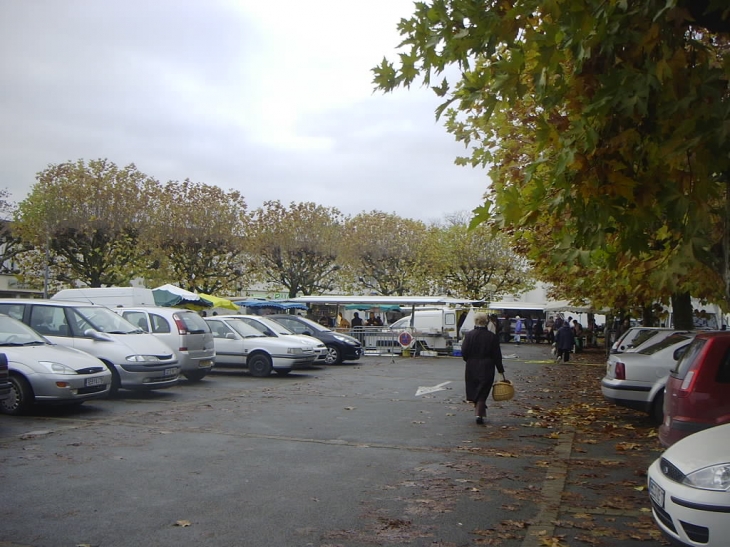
137	318
292	324
49	321
258	326
13	310
402	323
244	329
160	325
642	337
663	344
101	319
194	324
685	362
15	333
723	371
219	328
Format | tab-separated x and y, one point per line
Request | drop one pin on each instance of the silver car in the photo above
240	344
277	330
183	331
45	373
137	360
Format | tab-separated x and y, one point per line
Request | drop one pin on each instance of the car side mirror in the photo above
230	336
307	333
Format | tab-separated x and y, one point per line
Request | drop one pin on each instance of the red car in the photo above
698	389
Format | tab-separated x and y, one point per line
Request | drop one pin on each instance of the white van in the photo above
436	328
137	360
111	297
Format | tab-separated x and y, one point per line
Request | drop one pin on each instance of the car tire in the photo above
259	365
283	371
657	408
196	375
116	381
334	355
21	397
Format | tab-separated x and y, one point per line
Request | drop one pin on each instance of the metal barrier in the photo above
376	340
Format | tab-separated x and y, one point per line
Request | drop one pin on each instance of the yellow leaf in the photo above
182	523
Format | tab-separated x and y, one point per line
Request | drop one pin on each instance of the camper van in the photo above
111	297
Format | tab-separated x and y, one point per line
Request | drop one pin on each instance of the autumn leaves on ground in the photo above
564	469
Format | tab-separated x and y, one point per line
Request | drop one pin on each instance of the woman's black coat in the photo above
480	349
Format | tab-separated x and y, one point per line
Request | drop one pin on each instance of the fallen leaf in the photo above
182	523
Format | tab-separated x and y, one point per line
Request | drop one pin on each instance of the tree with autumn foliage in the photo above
197	237
476	263
603	125
385	254
296	247
87	217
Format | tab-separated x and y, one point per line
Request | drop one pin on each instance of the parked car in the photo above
45	373
689	488
698	389
638	336
277	330
137	360
340	347
239	344
636	380
183	331
5	386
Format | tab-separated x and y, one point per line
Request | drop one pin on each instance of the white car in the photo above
45	373
636	337
637	379
277	330
239	344
689	487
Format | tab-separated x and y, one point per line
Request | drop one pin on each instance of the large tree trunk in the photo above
647	316
682	311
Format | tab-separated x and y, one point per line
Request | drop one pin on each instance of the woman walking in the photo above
480	349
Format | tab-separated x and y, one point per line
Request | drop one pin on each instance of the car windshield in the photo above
244	329
642	337
668	341
314	326
15	333
281	330
103	320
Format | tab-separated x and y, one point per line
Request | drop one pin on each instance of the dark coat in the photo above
565	338
480	349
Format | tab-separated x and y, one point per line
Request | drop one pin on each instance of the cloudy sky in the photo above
274	99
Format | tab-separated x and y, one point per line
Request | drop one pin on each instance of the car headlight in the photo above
57	368
345	339
142	358
715	477
295	351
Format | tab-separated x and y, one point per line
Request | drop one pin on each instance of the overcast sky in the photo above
274	99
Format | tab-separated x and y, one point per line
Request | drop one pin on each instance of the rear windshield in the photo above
194	324
642	337
685	362
668	341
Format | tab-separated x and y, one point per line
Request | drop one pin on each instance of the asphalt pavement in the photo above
379	452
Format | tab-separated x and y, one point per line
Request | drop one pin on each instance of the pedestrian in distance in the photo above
357	327
518	329
564	341
480	349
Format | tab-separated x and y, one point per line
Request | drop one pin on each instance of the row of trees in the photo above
604	127
96	223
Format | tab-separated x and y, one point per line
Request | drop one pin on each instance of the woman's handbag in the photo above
503	390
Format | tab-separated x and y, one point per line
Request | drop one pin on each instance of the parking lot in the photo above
383	451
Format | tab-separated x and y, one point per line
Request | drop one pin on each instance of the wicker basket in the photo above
503	391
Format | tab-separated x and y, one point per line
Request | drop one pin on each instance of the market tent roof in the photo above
512	305
218	302
382	300
170	295
565	305
366	307
274	304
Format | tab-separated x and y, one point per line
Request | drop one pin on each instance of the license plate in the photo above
656	493
172	371
93	382
205	363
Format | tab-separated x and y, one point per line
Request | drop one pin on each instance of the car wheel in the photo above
21	397
116	381
283	371
657	408
334	356
196	375
259	365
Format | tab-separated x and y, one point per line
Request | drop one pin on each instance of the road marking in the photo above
425	390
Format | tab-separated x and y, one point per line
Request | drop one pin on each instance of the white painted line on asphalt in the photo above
425	390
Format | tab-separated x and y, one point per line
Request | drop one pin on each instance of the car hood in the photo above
142	343
704	448
76	359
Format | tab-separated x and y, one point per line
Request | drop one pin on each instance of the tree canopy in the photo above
602	123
